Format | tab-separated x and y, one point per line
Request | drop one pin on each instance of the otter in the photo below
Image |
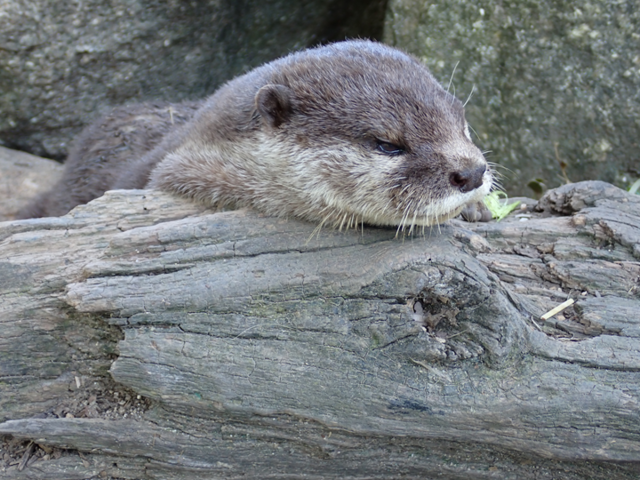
351	133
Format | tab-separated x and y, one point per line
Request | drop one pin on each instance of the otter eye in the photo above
389	148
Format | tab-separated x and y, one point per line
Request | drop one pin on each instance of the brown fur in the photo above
106	151
354	132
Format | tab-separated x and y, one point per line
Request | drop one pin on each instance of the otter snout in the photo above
468	180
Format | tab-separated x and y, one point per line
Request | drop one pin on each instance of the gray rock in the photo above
22	176
554	81
62	63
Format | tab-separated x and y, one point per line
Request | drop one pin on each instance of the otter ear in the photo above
273	103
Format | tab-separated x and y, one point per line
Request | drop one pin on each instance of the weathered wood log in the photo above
158	339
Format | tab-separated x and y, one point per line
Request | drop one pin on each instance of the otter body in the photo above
106	152
354	132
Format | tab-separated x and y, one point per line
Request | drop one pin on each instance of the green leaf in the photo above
499	208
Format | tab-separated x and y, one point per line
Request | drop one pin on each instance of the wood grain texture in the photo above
267	349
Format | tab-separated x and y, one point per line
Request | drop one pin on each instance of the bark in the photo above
230	344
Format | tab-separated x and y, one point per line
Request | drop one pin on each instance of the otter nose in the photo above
468	180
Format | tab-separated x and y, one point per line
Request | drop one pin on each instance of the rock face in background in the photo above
62	63
554	81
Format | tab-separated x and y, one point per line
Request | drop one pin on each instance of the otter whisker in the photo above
473	130
473	87
344	219
452	74
413	221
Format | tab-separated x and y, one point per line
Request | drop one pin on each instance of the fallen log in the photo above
144	336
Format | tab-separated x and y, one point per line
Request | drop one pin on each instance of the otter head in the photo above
371	137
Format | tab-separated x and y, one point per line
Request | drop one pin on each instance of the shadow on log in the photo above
153	338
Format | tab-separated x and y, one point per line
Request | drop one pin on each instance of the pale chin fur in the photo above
351	196
440	211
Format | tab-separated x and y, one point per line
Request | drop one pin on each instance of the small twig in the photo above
533	320
26	456
429	368
558	309
562	163
456	334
